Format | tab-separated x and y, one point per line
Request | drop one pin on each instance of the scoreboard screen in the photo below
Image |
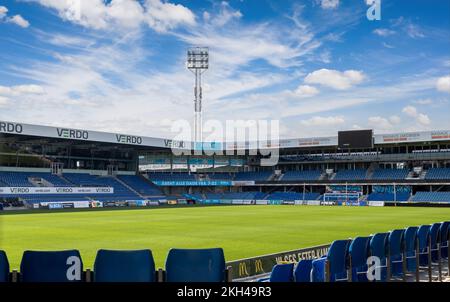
355	139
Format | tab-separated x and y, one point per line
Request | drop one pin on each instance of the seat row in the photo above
182	265
398	255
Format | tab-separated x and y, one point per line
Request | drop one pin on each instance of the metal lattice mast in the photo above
198	63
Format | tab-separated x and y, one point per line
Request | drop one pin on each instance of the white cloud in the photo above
395	119
3	101
420	118
443	84
19	20
98	14
21	89
383	32
379	122
16	19
3	12
329	4
319	121
423	119
424	102
306	91
226	15
414	31
335	79
410	111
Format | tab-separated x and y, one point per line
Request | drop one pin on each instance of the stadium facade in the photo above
42	166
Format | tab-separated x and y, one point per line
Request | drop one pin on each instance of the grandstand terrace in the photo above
146	169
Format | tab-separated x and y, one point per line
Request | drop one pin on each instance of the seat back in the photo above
302	272
395	242
51	266
410	241
4	267
195	265
443	238
434	238
396	246
282	273
337	258
124	266
423	238
378	245
358	253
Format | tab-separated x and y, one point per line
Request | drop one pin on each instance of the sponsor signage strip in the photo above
88	135
55	190
250	267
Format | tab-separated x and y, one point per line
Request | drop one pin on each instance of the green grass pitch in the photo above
243	231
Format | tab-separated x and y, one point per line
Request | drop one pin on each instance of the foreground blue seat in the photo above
51	266
410	243
4	267
435	259
124	266
424	250
282	272
302	272
195	265
396	244
358	253
333	266
379	248
444	240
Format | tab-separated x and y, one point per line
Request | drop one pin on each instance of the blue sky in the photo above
318	66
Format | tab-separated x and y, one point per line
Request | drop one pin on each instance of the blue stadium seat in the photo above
195	265
358	253
301	175
51	266
357	174
444	238
443	197
302	271
390	174
282	273
4	267
379	248
124	266
395	243
423	247
438	173
333	266
410	239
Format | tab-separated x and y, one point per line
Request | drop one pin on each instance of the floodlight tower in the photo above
198	63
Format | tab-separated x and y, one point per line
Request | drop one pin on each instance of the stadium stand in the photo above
390	174
220	176
301	175
388	197
143	187
256	176
171	176
438	173
357	174
15	179
431	197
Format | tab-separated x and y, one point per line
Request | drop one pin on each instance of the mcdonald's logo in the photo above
243	269
258	266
